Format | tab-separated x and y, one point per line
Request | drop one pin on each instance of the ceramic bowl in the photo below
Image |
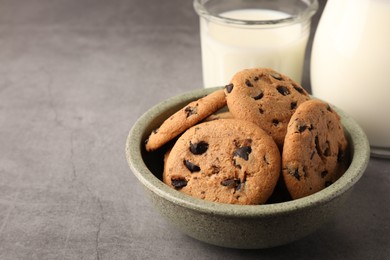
239	226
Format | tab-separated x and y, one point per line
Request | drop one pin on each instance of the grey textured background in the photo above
74	77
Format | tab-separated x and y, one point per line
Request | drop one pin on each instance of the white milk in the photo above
227	49
351	63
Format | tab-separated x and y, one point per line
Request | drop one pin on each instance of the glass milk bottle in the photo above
350	65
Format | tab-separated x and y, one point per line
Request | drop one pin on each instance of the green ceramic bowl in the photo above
239	226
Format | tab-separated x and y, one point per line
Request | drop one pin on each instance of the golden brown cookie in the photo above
315	149
266	98
225	160
186	117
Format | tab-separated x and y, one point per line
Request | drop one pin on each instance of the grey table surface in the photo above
74	77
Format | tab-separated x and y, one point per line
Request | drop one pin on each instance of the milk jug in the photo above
350	65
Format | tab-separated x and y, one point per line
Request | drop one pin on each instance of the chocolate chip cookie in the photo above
266	98
186	117
315	149
226	161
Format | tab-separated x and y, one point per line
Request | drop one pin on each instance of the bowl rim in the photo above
360	156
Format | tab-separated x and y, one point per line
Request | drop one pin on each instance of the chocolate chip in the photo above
191	111
295	173
261	111
243	152
256	78
283	90
232	183
299	89
227	182
248	83
293	105
302	128
191	167
239	187
179	183
199	148
229	87
259	96
275	122
324	173
276	75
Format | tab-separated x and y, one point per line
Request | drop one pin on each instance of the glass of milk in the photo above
350	65
240	34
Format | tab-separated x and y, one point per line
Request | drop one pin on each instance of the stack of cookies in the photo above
272	135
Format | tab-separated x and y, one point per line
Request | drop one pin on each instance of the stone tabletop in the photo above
74	77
